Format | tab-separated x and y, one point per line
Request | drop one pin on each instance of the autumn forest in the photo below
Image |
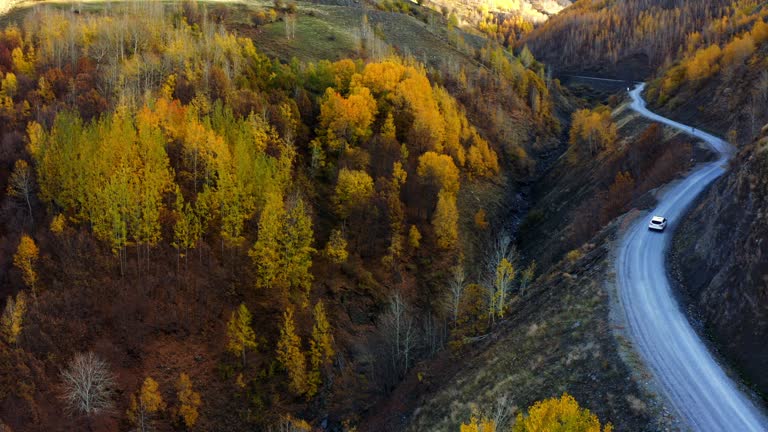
333	215
172	188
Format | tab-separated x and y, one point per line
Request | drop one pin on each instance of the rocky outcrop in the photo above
720	260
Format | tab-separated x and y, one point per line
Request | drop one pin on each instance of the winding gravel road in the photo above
693	382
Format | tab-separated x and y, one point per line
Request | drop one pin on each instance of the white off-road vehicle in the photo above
658	223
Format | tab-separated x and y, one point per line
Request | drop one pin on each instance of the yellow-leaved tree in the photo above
290	356
354	190
345	121
240	335
446	220
283	251
336	248
13	316
297	250
24	260
559	414
483	161
505	275
476	424
592	131
439	171
266	251
189	401
145	405
321	348
414	237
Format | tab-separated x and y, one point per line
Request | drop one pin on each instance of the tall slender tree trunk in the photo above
29	208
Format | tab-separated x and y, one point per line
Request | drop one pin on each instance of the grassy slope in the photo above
326	31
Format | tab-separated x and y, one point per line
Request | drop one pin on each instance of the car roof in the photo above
657	218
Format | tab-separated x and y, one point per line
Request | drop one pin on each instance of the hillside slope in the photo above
719	252
720	84
558	338
557	335
720	261
626	39
234	200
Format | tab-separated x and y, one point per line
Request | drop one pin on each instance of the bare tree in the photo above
21	184
290	26
527	277
410	338
501	249
88	384
400	333
290	424
501	412
456	286
761	87
758	101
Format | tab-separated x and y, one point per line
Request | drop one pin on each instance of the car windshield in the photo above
656	221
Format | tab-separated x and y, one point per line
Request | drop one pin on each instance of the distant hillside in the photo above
628	39
721	84
530	10
505	21
720	80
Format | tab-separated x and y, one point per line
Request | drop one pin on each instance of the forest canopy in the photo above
170	185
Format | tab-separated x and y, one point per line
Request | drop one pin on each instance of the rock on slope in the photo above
720	259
